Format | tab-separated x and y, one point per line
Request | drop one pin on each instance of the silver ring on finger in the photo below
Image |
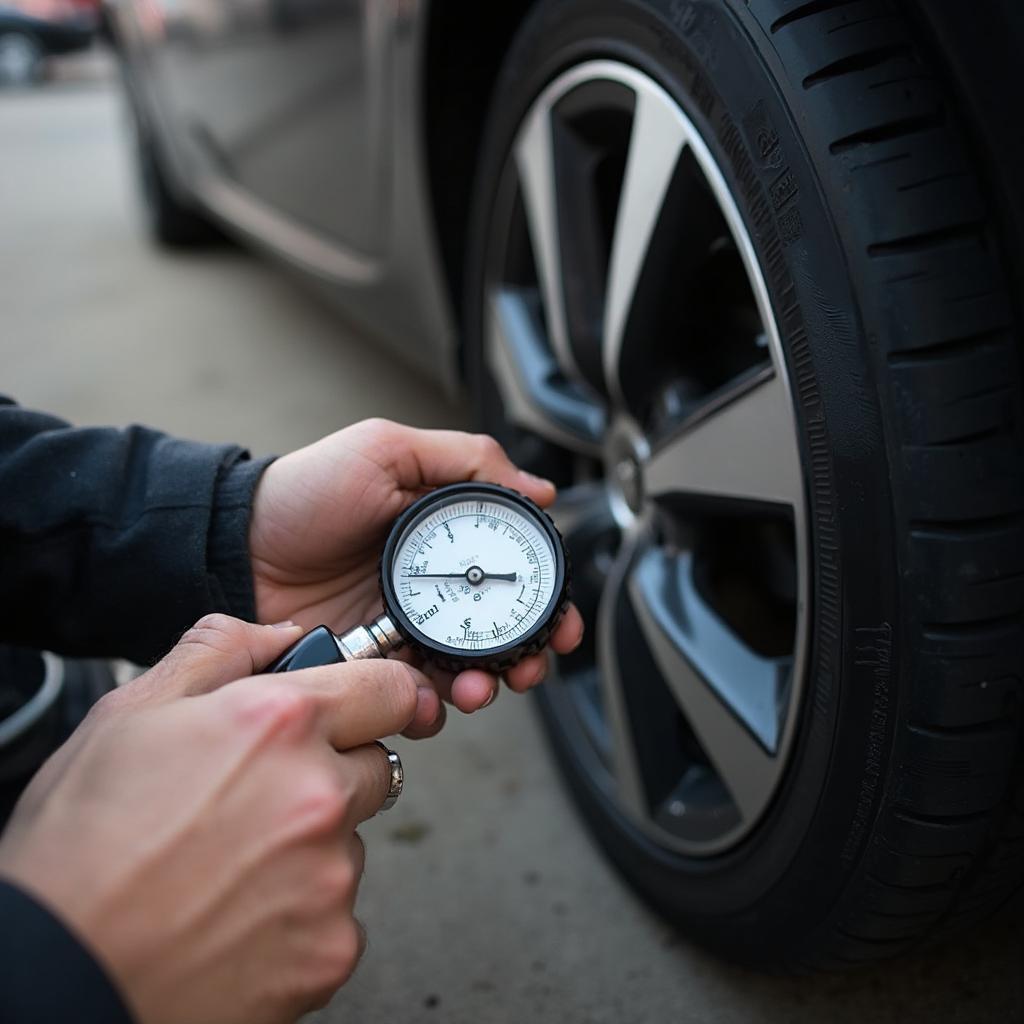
397	779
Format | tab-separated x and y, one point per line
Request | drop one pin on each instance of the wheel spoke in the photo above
582	510
657	139
614	677
583	248
728	694
535	393
740	445
535	161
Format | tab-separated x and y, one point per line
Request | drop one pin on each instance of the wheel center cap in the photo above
627	473
626	451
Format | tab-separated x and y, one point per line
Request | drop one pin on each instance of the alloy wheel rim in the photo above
627	325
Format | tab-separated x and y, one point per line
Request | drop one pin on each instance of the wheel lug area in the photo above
625	453
627	473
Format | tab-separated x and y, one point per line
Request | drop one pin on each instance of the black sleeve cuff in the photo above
227	553
46	975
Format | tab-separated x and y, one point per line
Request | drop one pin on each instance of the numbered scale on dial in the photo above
474	574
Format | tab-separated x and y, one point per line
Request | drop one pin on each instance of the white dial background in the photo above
431	560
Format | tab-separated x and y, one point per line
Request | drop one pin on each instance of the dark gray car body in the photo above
297	124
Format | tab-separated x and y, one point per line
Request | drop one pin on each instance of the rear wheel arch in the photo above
465	49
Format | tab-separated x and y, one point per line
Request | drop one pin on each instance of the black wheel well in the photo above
465	49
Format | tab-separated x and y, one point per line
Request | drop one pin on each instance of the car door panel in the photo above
282	99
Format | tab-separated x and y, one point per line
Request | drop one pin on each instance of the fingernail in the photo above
490	700
423	695
287	624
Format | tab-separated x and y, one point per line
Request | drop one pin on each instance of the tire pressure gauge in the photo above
472	575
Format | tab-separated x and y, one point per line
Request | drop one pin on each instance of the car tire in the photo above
172	221
824	138
21	59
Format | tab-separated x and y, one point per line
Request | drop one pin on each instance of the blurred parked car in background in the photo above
744	278
33	30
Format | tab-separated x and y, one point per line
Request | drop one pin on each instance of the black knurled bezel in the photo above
501	658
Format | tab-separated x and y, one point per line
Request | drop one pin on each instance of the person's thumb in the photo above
217	650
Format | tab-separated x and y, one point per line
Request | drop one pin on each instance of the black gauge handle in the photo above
318	647
321	646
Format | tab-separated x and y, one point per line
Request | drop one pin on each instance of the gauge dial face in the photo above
476	572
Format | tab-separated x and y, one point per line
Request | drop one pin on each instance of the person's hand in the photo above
320	517
198	828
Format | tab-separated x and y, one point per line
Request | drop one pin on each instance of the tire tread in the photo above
948	843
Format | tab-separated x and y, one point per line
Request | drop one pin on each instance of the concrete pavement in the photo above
484	898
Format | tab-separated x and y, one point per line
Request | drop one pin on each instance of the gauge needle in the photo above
469	574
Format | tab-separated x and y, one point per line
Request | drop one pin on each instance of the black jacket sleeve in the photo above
113	542
46	975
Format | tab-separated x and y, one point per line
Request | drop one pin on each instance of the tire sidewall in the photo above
787	874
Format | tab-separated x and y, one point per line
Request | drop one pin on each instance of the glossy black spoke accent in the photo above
645	729
537	394
686	701
712	671
590	132
584	517
662	325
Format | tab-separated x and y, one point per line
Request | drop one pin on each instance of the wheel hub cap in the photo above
626	452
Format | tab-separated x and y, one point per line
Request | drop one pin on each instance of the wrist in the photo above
33	942
229	558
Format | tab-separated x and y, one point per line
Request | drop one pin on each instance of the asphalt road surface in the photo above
484	898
